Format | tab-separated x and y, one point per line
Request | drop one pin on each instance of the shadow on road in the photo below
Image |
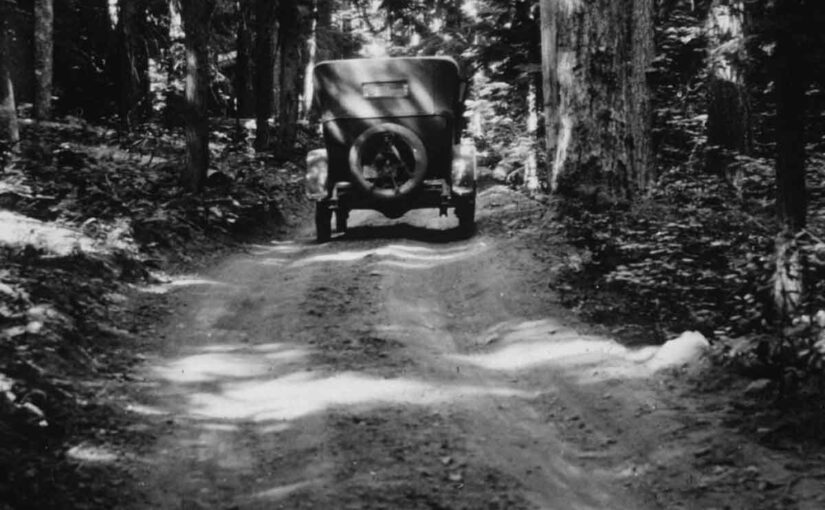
404	231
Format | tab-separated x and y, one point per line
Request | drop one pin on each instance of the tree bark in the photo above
264	70
244	91
43	58
728	125
642	53
791	81
601	125
9	131
289	49
134	63
550	82
196	15
311	52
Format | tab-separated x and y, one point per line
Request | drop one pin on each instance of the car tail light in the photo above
464	168
317	174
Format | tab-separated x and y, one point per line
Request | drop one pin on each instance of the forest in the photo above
676	144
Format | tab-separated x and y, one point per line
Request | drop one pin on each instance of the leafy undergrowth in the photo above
697	254
691	256
85	214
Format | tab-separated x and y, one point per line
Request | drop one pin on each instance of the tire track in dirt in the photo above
367	373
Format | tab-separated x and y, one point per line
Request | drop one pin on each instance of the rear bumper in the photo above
433	193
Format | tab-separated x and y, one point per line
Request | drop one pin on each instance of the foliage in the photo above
677	81
685	258
698	252
117	201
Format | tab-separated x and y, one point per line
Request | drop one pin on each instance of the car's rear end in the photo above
391	128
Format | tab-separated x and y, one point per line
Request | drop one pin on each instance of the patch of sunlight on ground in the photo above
284	247
304	393
92	454
535	352
406	253
145	410
188	282
283	491
218	362
184	281
521	345
17	230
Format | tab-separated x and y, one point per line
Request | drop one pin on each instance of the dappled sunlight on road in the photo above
181	281
221	362
91	454
302	393
267	383
277	247
402	252
282	491
518	346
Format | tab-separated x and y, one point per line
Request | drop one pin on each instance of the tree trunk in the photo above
244	91
289	48
9	131
43	58
264	70
531	177
728	126
550	82
642	52
311	52
791	82
134	63
601	125
196	15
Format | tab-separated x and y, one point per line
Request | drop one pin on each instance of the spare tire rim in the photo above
388	161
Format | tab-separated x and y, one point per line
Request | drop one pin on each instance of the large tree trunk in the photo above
601	122
9	131
791	82
196	15
134	62
728	126
289	49
264	70
244	91
43	58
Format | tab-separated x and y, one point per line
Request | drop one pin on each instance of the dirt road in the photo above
398	367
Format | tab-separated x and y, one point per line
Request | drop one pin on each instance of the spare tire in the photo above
388	161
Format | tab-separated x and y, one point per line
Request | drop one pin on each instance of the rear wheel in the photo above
341	220
466	213
323	216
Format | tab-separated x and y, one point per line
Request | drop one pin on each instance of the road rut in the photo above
397	366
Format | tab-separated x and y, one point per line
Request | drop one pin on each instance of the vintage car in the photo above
392	136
